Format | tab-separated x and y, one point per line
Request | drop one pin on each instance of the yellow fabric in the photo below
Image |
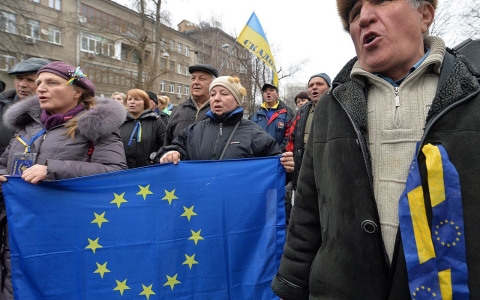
445	278
423	236
435	174
274	107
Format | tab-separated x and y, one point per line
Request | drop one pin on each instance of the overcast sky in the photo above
296	30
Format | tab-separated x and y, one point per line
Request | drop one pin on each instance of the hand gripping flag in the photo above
436	254
196	230
254	39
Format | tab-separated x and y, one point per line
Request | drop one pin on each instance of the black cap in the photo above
204	68
266	85
2	86
153	96
28	66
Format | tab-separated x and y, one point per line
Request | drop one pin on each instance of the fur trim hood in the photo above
105	118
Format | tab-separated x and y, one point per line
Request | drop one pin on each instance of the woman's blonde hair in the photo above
88	101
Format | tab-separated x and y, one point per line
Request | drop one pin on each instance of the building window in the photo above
54	35
56	4
162	86
102	18
243	70
179	69
8	22
179	89
172	65
172	88
187	90
33	29
98	45
163	63
186	70
6	62
172	45
187	51
179	48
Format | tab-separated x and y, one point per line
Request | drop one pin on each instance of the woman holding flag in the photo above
62	132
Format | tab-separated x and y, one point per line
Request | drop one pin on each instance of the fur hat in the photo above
73	75
345	6
233	85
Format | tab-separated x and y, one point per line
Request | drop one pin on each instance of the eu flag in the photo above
196	230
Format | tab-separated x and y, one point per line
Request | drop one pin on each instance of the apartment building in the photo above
112	43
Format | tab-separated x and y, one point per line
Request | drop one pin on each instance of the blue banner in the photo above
196	230
435	252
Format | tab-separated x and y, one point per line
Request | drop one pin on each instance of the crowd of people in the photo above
347	151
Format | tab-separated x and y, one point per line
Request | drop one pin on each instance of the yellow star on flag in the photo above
119	199
102	269
99	219
147	291
144	191
121	286
188	212
170	196
93	244
190	261
172	281
195	236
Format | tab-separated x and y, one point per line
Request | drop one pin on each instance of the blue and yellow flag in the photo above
197	230
435	253
254	39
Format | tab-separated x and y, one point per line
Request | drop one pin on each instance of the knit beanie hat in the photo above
233	85
324	76
345	6
73	75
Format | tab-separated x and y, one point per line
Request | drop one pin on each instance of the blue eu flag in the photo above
196	230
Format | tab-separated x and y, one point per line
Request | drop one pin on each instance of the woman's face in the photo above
55	95
135	105
119	99
221	100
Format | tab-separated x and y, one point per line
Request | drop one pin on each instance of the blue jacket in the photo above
277	125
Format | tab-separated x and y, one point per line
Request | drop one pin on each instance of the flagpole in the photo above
228	56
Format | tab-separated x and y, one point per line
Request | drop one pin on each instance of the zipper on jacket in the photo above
214	151
397	107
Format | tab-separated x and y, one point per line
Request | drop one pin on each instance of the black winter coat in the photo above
7	98
152	137
206	140
334	246
184	114
297	137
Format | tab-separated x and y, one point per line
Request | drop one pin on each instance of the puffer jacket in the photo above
97	132
334	247
206	140
96	149
184	114
152	135
278	124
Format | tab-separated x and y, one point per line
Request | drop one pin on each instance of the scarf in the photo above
50	121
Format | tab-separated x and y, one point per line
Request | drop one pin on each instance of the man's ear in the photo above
428	14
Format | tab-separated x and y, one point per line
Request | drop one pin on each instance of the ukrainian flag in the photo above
254	39
435	253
